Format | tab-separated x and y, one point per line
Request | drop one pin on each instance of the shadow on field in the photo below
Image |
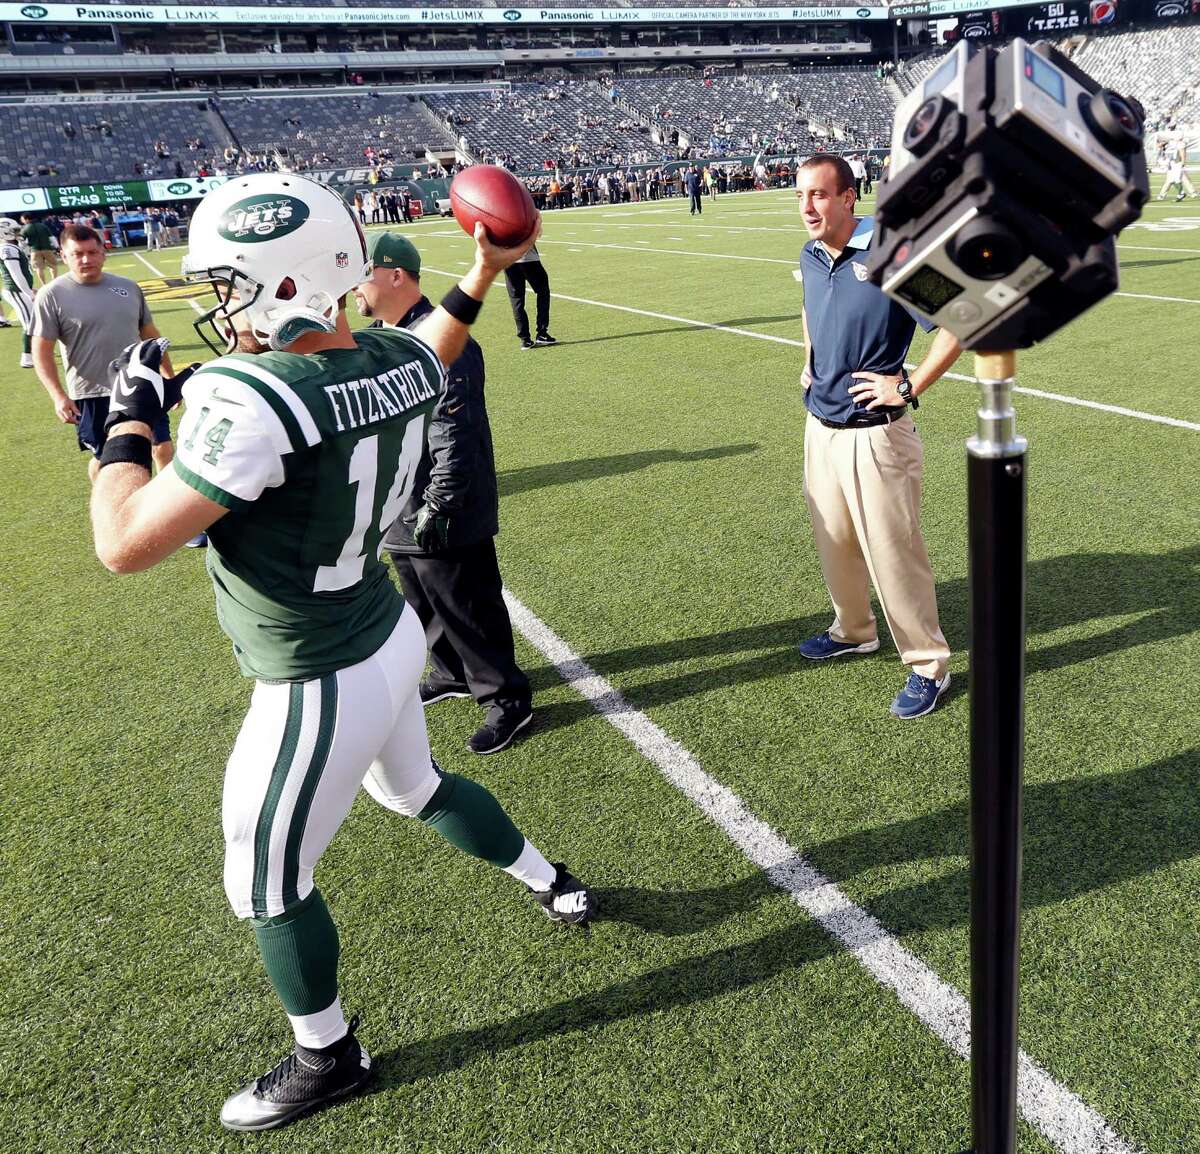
1080	836
1152	263
1161	592
593	468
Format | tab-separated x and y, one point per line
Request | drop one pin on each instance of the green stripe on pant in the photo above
266	815
320	756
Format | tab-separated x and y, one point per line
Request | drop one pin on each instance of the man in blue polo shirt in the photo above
863	459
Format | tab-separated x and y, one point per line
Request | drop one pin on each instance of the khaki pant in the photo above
863	488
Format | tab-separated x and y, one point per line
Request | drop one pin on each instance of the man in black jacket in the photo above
443	541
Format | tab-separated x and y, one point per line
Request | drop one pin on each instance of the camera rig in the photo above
1012	172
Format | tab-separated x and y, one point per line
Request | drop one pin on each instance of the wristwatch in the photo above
905	389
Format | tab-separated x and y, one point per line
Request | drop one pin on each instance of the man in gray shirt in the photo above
95	316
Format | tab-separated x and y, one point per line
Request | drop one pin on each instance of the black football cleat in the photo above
431	693
568	900
500	726
304	1081
544	338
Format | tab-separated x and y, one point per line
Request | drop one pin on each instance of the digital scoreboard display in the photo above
130	192
95	195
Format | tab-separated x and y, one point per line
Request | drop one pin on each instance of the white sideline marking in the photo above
799	234
1119	410
155	271
1149	297
781	260
1062	1116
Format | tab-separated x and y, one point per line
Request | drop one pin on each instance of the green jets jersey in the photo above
313	456
14	270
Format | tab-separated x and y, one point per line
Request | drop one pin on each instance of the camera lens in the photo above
986	250
1115	121
922	129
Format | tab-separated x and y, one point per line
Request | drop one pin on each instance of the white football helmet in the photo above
278	250
10	231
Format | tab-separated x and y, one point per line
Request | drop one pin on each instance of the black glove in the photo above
432	530
139	391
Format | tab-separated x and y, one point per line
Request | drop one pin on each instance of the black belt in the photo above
867	420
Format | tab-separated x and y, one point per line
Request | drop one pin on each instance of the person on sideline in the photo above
863	459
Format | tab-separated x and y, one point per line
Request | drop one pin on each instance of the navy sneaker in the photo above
919	696
822	646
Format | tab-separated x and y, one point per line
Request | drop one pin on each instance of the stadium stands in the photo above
318	130
568	123
1157	65
791	110
75	143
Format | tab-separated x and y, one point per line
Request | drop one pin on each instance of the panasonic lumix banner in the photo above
230	14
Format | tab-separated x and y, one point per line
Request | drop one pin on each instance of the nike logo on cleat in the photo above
573	903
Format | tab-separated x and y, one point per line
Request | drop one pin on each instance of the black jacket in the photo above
457	470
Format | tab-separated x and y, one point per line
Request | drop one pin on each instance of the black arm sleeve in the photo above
454	433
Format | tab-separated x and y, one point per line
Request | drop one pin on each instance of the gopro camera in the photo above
1012	172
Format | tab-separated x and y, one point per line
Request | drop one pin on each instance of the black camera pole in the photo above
996	493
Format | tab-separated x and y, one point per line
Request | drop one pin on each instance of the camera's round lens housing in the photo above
1115	121
922	129
987	250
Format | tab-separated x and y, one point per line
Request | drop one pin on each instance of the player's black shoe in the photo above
302	1082
544	338
526	344
500	725
568	900
431	693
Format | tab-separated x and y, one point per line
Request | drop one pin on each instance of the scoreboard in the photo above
1035	20
129	192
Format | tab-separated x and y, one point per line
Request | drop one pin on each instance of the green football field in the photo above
782	958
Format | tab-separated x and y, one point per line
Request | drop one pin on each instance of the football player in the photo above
16	283
296	453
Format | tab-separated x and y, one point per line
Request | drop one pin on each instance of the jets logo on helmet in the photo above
259	218
9	229
280	252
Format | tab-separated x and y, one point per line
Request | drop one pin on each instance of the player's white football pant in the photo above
302	753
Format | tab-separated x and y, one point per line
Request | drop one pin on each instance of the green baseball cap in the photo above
391	250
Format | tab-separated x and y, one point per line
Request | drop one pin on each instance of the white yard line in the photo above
1080	402
157	273
1060	1115
798	233
642	246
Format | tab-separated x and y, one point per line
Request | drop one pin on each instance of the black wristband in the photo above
127	449
460	306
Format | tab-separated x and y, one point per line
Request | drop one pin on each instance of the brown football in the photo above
497	199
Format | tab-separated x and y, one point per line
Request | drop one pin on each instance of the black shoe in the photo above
302	1082
431	693
568	900
526	343
544	339
498	730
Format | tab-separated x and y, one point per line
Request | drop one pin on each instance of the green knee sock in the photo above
26	343
300	950
471	819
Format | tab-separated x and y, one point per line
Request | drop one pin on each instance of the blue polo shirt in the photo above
853	326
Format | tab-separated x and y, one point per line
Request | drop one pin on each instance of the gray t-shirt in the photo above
94	322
